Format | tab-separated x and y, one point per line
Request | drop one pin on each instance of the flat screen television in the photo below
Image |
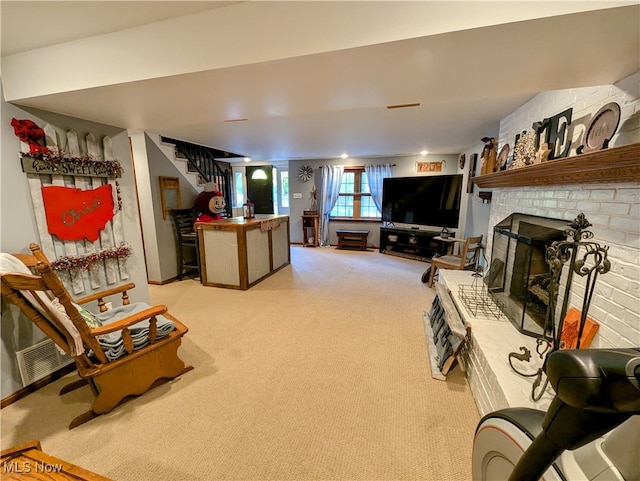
432	200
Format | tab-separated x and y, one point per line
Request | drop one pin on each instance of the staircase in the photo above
200	165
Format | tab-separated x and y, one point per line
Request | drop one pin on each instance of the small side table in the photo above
310	230
449	242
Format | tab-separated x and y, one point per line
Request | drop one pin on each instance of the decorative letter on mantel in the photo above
601	129
555	134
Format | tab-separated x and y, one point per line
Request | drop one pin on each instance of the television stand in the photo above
411	243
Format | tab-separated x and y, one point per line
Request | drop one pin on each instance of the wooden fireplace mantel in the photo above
618	164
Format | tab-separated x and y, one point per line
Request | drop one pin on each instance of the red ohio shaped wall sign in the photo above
73	214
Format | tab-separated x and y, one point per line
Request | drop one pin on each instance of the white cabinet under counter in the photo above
238	253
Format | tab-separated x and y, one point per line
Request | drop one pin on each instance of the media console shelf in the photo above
410	243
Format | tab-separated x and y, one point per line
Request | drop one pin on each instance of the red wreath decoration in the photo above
29	133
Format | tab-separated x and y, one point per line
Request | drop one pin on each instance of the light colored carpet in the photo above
320	372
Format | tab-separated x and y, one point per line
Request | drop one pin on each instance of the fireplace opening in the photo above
519	276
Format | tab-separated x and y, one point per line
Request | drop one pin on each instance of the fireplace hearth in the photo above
519	276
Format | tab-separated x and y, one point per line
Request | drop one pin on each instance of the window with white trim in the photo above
355	201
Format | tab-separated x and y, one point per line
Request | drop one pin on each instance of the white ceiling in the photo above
319	102
62	21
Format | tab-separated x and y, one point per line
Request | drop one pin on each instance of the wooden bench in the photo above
352	238
28	461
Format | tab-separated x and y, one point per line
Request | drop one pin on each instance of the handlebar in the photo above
596	391
599	380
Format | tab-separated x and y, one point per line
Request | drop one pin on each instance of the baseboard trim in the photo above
162	283
375	248
11	398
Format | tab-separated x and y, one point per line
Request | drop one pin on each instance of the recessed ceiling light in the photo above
247	159
424	152
344	156
402	106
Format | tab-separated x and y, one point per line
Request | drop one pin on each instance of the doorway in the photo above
260	188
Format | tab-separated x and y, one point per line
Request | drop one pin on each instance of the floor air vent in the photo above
40	360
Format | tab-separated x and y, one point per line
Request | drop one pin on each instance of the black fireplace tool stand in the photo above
582	257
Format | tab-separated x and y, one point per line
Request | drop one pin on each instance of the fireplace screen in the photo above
519	277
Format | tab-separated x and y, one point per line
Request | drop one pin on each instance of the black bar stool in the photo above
186	240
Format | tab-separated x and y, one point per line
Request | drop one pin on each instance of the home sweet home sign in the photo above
85	263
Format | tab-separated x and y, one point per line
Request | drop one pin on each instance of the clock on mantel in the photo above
617	164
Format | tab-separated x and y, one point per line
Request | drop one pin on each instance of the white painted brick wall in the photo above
585	102
613	209
616	302
485	358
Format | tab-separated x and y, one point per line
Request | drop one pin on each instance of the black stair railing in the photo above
203	160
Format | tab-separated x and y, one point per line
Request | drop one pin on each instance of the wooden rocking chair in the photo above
129	354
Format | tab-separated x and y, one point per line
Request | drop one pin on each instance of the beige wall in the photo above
405	166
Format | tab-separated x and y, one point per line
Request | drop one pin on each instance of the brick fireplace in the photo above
610	200
519	276
604	186
613	211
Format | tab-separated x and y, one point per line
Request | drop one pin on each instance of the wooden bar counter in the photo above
238	253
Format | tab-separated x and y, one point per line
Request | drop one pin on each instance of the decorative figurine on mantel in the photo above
489	155
524	152
542	155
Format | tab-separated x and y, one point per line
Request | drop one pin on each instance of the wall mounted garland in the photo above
85	262
50	163
64	164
